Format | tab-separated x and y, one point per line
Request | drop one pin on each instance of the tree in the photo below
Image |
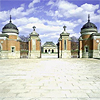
24	38
74	39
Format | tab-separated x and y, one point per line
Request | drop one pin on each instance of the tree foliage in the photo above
24	38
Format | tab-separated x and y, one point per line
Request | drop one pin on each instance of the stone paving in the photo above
50	79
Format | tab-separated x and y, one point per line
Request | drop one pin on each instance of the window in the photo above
64	44
52	51
45	51
86	49
13	49
49	50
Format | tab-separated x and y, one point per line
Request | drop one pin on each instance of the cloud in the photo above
89	7
50	3
65	9
19	12
31	5
16	12
65	5
4	15
76	35
98	11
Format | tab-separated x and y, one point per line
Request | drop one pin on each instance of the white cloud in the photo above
20	11
44	35
98	11
66	9
89	7
32	3
77	35
22	5
50	2
65	5
4	15
16	12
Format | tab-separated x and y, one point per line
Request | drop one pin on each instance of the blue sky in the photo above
49	16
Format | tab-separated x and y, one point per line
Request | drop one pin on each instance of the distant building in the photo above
49	47
89	41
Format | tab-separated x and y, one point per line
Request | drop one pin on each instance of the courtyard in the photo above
50	79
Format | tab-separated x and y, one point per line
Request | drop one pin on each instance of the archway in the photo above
52	51
49	50
46	51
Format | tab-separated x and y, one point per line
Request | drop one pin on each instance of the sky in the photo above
49	16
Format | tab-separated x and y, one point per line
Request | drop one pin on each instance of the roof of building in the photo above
49	44
89	24
10	26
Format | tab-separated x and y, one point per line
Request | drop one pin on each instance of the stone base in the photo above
66	54
96	54
34	54
91	54
8	54
80	55
85	55
59	53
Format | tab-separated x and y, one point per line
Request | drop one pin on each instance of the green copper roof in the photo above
10	26
49	44
89	24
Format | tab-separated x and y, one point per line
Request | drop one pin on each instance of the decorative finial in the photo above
88	17
64	28
10	18
34	28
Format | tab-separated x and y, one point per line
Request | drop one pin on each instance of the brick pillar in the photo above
65	44
34	45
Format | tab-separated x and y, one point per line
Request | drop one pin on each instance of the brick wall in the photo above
38	45
12	37
68	45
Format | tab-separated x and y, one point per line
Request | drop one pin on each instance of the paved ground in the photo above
50	79
49	55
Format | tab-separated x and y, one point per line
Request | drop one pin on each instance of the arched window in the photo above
45	51
12	49
52	51
49	50
86	48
